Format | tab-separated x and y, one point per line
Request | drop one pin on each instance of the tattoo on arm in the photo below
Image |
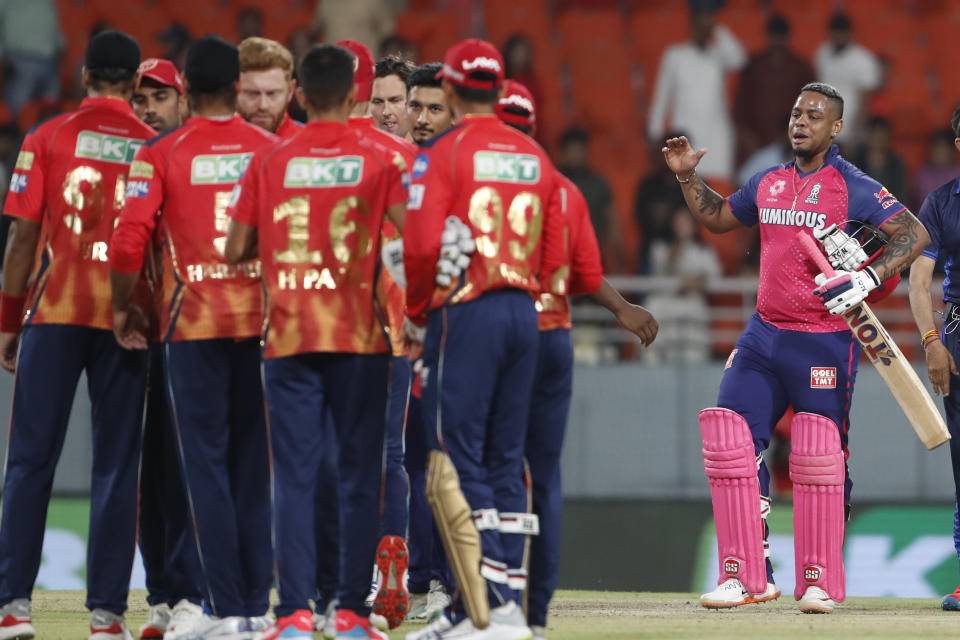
903	246
709	202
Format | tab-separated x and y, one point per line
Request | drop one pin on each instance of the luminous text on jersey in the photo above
789	218
342	171
218	169
497	166
99	146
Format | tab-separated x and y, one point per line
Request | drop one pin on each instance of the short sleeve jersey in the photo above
393	295
784	203
318	202
288	127
582	269
71	176
502	185
189	174
940	215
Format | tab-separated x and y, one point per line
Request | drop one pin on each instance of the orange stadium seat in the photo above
650	32
587	35
504	18
432	31
749	26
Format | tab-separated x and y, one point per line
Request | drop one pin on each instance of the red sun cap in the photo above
162	72
469	58
363	68
516	105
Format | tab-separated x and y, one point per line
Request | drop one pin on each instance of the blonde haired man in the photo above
266	85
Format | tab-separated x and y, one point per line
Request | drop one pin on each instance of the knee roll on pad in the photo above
731	467
461	540
818	472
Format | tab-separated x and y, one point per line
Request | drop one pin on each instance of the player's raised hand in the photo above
940	365
681	156
639	322
9	342
130	328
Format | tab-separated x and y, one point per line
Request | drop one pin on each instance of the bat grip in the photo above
813	251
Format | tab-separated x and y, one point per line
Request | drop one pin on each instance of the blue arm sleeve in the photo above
930	218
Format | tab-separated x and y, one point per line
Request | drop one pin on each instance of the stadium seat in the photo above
504	18
650	32
433	32
750	27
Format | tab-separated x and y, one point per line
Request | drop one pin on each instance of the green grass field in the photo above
59	615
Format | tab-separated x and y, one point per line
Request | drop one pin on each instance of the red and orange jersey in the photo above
71	176
394	296
288	127
318	201
502	185
190	173
582	269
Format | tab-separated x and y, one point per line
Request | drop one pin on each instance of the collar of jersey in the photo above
106	102
479	117
832	155
216	122
361	121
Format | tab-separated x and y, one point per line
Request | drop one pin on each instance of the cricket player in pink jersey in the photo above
796	350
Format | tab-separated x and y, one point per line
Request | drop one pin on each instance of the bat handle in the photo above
813	250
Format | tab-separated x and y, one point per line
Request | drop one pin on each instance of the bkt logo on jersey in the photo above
219	169
496	166
343	171
99	146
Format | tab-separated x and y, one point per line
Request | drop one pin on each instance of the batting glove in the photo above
456	246
844	252
414	332
845	289
392	256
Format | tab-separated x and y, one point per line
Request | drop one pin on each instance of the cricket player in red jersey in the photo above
266	86
582	273
391	600
166	538
182	182
65	194
313	208
481	336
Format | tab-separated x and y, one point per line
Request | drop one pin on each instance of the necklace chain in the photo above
803	185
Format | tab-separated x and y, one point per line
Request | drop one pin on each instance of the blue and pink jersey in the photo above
785	201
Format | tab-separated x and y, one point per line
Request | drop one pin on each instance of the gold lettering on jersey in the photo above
558	282
296	211
221	221
222	271
83	192
341	229
517	217
95	251
486	214
318	279
120	193
25	161
547	302
287	279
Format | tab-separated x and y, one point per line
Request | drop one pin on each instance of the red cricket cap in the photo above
162	72
516	106
467	58
363	69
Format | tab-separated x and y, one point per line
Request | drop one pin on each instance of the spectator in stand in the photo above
368	21
176	40
655	202
852	69
518	65
249	23
575	164
691	92
939	168
775	74
876	158
394	45
686	336
30	46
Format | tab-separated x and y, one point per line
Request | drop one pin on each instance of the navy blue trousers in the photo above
549	408
49	364
479	360
396	487
427	558
216	400
327	519
951	405
302	392
166	540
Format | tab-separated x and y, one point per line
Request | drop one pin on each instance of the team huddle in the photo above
353	337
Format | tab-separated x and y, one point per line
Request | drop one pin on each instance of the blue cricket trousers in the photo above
49	364
396	487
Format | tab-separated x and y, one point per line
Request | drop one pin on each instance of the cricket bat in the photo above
883	352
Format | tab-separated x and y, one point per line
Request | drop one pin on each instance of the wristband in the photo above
677	175
930	340
928	334
11	312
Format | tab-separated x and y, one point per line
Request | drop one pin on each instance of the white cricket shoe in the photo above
158	617
816	600
418	607
15	622
183	618
326	622
539	633
259	623
732	594
432	631
227	628
106	625
507	622
379	622
437	598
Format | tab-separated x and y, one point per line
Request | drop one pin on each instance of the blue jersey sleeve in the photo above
931	218
869	201
743	203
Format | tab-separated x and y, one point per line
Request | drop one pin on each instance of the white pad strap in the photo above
493	571
527	524
517	579
486	519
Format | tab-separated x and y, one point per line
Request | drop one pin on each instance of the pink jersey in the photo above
785	202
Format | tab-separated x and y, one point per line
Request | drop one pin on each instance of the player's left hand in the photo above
414	336
9	343
845	289
639	322
130	328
